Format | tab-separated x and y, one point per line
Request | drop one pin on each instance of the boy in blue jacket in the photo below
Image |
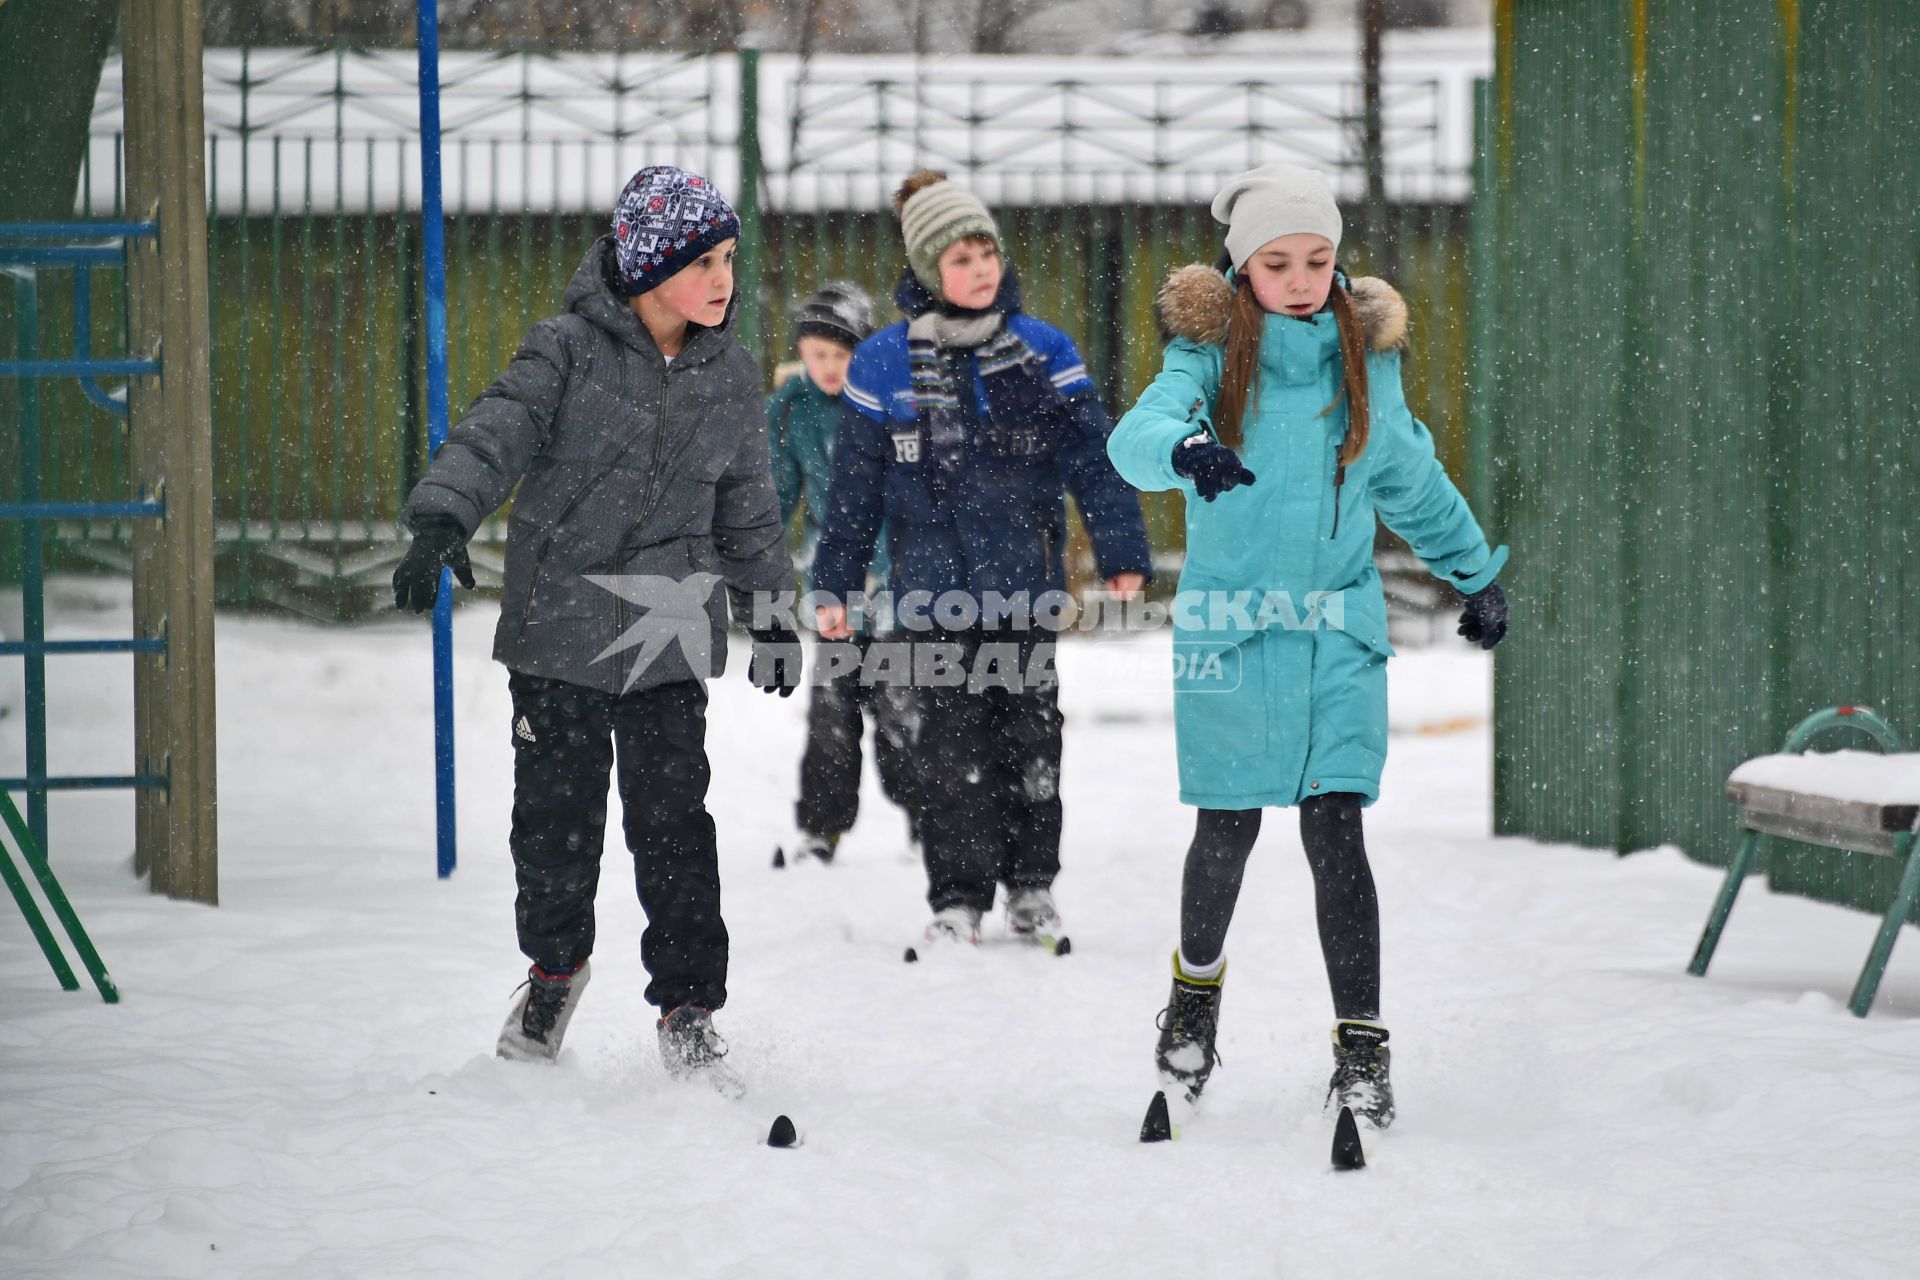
963	425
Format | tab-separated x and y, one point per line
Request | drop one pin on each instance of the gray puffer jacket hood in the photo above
644	484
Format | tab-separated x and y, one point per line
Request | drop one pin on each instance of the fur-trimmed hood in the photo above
1196	302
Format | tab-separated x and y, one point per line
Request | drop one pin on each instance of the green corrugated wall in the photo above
1698	285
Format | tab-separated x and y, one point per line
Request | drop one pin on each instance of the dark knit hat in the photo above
665	218
839	311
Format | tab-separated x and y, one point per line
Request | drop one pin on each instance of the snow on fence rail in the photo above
555	133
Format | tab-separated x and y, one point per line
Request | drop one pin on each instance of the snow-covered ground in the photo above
299	1083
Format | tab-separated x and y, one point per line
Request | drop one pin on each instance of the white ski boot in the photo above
542	1007
1031	912
955	926
693	1050
1031	917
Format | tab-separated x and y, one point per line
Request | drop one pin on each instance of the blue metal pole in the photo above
79	510
434	268
76	230
33	617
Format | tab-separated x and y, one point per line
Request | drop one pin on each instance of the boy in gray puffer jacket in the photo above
632	424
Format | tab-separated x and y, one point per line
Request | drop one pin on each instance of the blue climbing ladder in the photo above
27	250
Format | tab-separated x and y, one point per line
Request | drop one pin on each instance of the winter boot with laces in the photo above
693	1050
542	1007
1360	1060
1186	1055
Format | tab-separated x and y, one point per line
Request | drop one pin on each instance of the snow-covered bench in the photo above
1864	801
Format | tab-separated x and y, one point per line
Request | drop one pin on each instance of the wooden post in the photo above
172	438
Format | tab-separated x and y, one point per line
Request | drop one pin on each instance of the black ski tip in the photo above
1064	947
912	956
779	857
1158	1126
783	1134
1347	1153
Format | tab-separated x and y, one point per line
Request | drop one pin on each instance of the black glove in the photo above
1484	620
775	667
1211	466
439	543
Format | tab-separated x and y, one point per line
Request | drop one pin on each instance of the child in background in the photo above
631	423
964	425
1280	415
803	416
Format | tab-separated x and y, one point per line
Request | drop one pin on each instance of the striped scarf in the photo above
1024	410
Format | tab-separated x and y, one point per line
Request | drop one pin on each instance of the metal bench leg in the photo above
1897	913
1723	905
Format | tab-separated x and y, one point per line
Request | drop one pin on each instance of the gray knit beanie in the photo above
933	218
1272	201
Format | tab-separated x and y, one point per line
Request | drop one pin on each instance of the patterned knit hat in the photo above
933	218
665	218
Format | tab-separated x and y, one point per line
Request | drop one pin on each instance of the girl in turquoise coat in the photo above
1280	408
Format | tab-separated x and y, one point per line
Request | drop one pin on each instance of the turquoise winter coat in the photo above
1280	626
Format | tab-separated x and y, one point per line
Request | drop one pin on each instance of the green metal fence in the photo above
316	330
1700	279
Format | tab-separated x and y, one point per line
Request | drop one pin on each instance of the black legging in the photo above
1343	895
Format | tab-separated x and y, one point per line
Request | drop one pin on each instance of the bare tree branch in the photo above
995	23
